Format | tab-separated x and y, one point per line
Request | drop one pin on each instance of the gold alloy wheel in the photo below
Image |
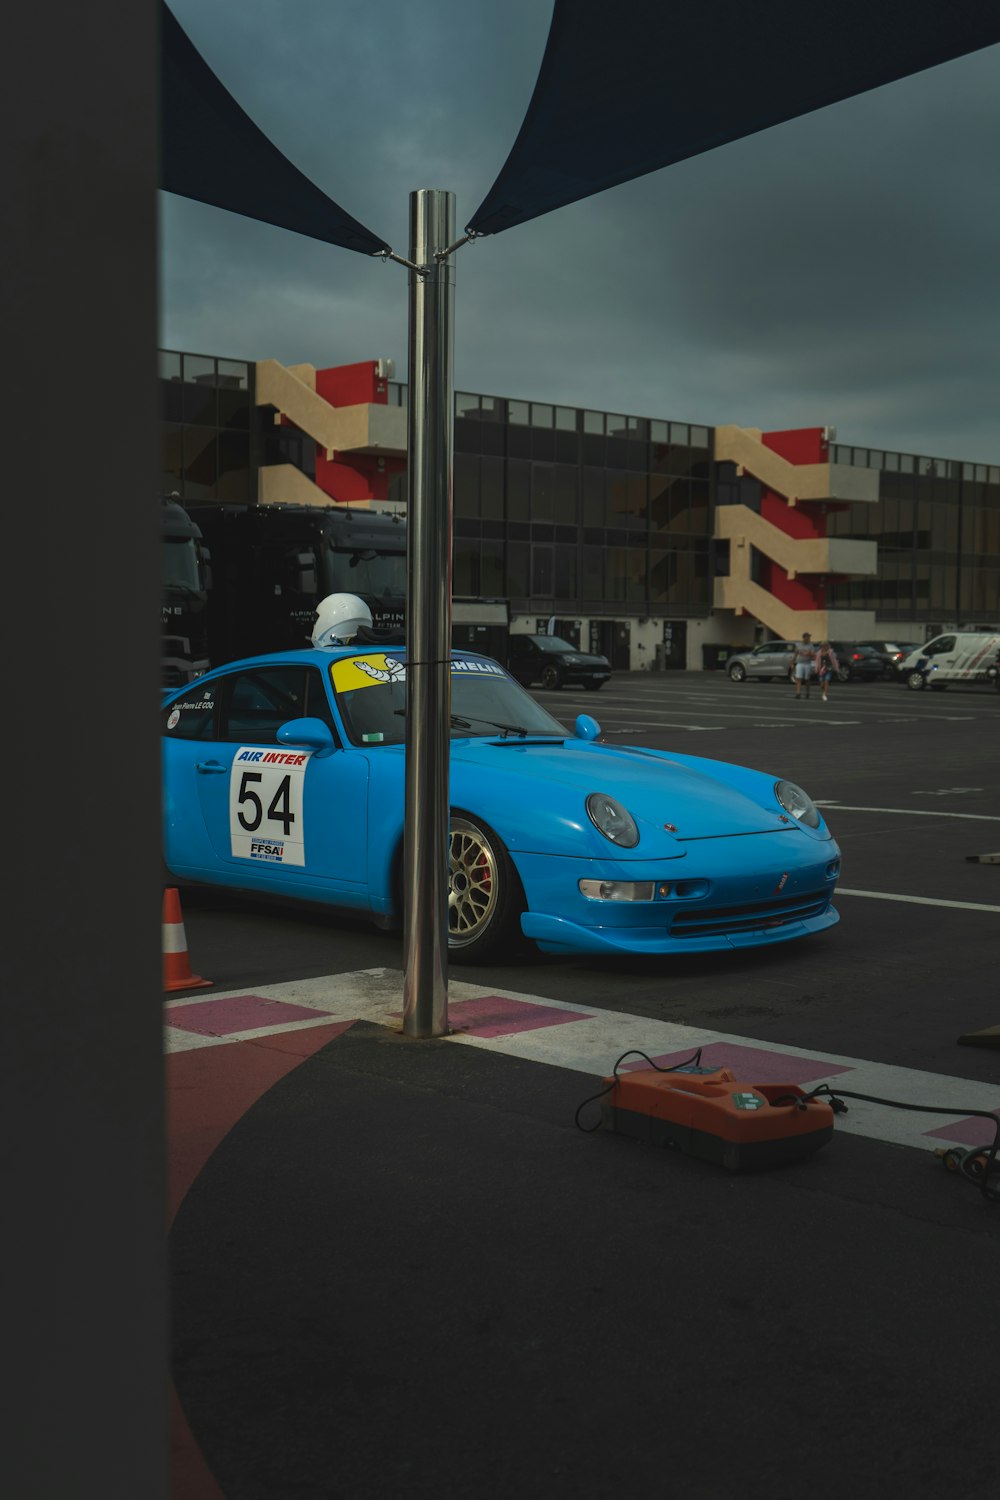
473	883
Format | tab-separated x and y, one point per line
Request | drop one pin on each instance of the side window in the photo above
192	715
941	646
256	703
317	703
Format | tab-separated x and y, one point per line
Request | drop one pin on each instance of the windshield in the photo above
552	643
485	702
383	575
180	563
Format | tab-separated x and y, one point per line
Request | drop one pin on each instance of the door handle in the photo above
211	767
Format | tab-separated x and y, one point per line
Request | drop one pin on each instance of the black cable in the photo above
966	1159
632	1052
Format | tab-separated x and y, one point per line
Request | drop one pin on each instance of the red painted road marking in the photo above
499	1015
974	1131
237	1013
750	1063
190	1476
208	1090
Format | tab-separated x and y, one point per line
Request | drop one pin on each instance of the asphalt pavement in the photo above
400	1268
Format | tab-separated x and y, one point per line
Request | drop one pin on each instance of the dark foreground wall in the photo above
84	1331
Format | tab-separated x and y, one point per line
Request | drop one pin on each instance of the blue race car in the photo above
284	775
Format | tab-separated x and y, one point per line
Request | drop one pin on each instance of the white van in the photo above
959	656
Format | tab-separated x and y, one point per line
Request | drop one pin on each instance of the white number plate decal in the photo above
265	805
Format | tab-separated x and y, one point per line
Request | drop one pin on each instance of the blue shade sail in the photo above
211	150
629	87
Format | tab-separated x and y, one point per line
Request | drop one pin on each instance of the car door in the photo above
768	660
279	816
940	653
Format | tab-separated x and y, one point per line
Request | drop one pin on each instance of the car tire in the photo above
737	672
485	895
843	674
551	679
915	681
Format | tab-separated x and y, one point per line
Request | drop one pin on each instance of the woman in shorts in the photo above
825	665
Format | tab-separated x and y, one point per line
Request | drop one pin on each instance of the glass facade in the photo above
570	512
937	525
567	511
209	428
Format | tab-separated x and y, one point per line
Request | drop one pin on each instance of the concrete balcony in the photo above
368	428
743	447
743	527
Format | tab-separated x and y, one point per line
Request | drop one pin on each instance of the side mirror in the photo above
308	734
586	728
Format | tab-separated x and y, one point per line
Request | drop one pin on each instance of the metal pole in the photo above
430	437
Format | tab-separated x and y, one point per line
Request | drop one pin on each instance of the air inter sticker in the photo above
366	671
265	805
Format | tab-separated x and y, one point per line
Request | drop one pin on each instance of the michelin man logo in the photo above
395	671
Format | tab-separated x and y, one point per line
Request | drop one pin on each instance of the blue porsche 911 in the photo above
284	775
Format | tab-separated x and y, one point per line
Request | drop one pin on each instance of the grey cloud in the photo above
836	269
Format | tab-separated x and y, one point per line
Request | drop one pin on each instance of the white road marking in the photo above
843	890
950	791
643	728
593	1045
908	812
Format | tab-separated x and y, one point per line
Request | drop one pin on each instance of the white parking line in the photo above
908	812
843	890
782	716
661	724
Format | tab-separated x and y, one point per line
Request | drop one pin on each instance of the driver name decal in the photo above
265	805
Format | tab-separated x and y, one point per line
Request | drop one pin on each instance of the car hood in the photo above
552	779
577	659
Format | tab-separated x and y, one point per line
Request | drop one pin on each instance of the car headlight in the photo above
797	803
611	819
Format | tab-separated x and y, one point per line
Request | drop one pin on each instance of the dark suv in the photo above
859	662
553	662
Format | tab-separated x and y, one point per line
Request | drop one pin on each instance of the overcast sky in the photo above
840	269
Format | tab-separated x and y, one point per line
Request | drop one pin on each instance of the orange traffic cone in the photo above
177	973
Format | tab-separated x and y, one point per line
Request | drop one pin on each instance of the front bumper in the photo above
726	893
556	935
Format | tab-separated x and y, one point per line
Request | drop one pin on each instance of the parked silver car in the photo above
771	659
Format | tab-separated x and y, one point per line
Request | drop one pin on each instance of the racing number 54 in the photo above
279	810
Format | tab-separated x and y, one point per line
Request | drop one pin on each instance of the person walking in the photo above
826	664
802	663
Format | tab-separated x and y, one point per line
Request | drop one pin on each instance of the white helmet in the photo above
339	617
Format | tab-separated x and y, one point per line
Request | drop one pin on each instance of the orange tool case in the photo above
707	1113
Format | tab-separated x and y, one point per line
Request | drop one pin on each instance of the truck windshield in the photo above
382	575
181	569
